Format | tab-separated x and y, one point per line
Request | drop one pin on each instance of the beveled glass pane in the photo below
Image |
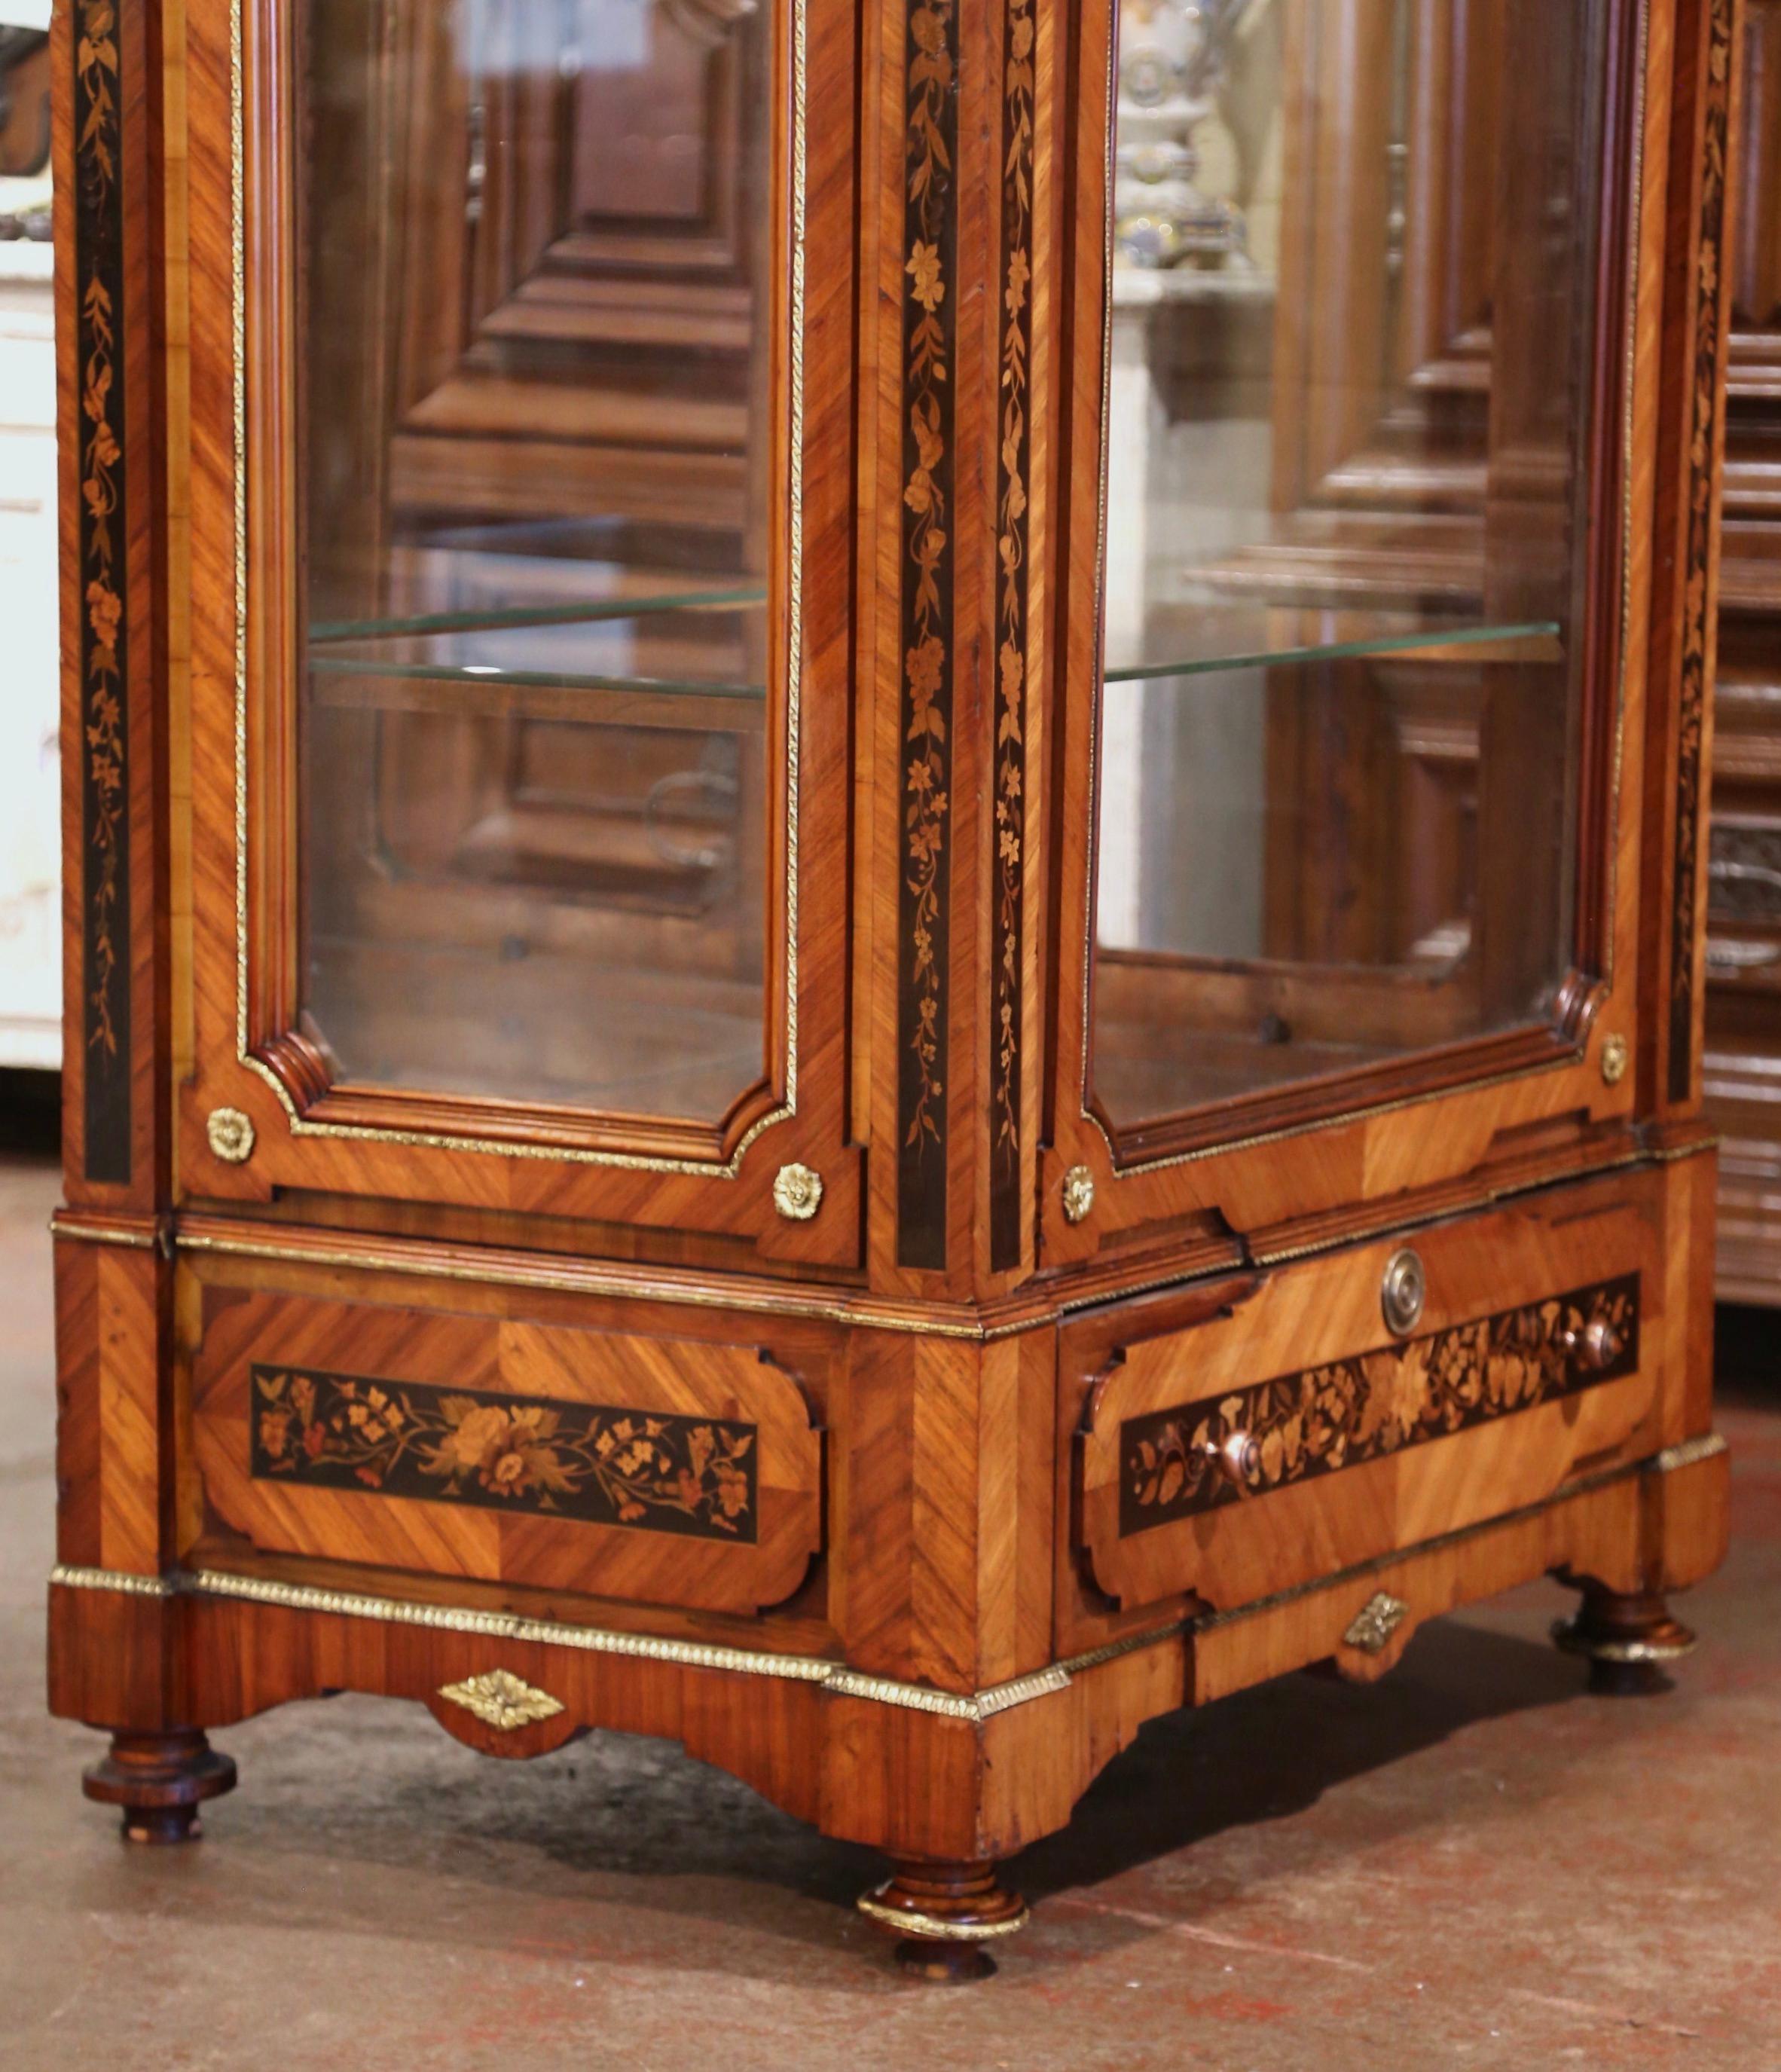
1352	311
535	316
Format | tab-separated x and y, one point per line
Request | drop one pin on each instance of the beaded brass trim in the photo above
1687	1453
599	1279
834	1677
119	1580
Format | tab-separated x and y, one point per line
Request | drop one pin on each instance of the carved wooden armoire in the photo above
886	846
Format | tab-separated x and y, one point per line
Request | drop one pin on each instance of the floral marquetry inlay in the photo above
930	322
100	450
591	1463
1708	388
1012	472
1351	1411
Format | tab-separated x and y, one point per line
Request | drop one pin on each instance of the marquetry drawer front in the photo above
1295	1429
662	1470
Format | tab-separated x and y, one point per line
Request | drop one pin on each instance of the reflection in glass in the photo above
534	315
1352	310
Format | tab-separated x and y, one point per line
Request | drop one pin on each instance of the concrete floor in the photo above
1472	1864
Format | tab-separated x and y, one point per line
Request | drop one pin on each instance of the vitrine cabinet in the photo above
886	845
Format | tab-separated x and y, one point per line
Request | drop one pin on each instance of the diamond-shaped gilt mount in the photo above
502	1700
1375	1623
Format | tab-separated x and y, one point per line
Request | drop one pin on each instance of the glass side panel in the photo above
535	427
1352	312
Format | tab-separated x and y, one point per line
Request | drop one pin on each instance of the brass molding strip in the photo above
834	1678
1675	1156
590	1278
93	1233
120	1580
1685	1455
1033	1308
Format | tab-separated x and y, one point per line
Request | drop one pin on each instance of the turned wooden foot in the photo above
160	1781
945	1916
1630	1642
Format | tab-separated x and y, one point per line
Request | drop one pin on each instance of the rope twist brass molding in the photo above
834	1677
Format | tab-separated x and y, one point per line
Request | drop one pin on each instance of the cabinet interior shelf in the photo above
677	659
1329	637
496	619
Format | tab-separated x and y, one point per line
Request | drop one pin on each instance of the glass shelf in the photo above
677	658
1188	643
495	618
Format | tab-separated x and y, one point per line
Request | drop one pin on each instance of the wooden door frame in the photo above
1252	1164
246	1053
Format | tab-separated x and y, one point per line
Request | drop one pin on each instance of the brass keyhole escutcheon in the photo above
1403	1290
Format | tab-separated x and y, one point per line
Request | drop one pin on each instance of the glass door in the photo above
526	733
536	426
1350	576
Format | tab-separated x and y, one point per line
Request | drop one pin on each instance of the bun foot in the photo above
1629	1642
160	1781
945	1917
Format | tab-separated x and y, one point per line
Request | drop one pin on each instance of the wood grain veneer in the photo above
919	1615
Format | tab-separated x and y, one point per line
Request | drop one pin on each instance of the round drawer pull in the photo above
1236	1459
1403	1290
1598	1345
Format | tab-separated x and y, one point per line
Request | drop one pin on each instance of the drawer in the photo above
505	1448
1232	1442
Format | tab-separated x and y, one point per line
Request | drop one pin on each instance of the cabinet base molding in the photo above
931	1778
